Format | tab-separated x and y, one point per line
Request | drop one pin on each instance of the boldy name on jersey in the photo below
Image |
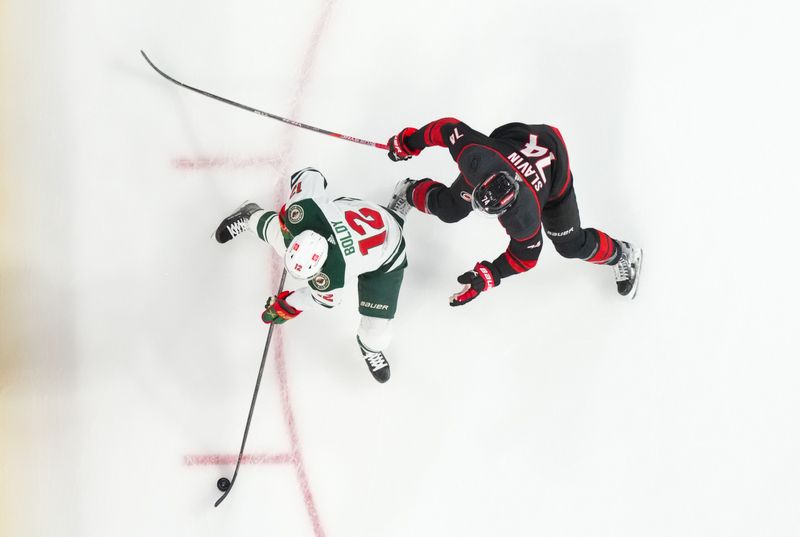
344	237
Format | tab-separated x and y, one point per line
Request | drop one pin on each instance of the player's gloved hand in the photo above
482	278
398	149
279	311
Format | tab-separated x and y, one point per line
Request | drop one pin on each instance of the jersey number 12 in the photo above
371	218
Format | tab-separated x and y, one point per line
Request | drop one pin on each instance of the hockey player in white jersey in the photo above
329	243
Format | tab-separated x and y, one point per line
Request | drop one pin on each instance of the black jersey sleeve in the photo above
446	132
523	225
520	256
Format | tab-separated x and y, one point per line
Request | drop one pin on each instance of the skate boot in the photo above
628	269
376	362
237	222
399	202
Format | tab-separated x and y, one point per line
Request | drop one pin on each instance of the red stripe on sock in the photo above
604	250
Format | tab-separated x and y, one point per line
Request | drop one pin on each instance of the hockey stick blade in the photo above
262	113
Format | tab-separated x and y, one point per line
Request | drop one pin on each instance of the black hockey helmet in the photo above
495	194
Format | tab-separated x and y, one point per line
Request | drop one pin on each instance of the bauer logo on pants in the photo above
560	233
374	306
295	214
321	281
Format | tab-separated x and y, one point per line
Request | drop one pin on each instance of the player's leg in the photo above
562	225
378	293
236	222
449	204
374	335
250	217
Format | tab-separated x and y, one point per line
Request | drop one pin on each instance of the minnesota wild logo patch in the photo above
321	281
295	214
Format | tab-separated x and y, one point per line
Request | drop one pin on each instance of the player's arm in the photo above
523	224
306	298
289	304
521	255
447	132
270	226
307	183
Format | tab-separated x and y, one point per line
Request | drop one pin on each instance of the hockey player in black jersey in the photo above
521	174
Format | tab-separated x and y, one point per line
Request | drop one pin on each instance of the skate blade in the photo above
639	259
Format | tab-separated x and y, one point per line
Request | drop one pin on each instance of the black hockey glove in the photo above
482	278
398	150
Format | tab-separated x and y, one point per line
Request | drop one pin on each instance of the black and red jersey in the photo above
535	153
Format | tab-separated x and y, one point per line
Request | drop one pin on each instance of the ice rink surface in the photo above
547	407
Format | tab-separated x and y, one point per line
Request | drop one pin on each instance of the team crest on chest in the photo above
295	214
321	281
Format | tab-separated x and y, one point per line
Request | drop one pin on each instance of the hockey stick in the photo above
265	114
223	483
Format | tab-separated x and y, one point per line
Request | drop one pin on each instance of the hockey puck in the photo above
223	484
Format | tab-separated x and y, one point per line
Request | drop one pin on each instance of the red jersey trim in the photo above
569	171
433	132
519	265
514	265
420	194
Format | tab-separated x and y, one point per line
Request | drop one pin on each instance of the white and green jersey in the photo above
363	237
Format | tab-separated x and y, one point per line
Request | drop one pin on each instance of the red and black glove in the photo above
482	278
398	147
279	311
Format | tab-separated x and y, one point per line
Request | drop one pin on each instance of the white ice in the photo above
547	407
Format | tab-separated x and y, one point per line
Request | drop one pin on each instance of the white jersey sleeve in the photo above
306	298
266	226
307	183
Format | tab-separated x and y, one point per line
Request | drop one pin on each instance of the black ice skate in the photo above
237	222
376	362
628	269
399	202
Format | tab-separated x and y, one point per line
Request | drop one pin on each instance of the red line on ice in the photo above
225	162
297	456
279	360
279	162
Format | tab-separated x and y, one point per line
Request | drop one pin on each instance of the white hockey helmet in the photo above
305	255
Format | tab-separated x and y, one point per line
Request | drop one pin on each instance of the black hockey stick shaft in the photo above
253	402
265	114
